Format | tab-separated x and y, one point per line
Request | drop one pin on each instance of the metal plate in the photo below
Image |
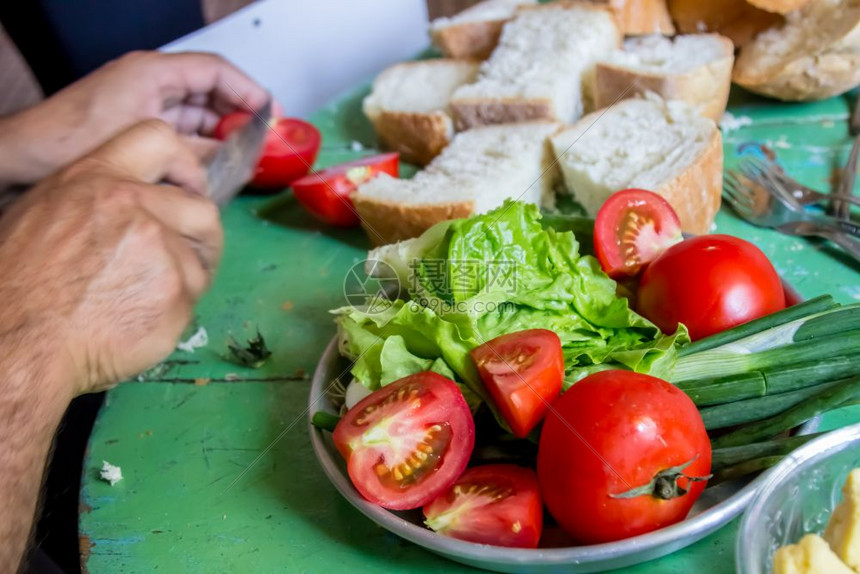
716	507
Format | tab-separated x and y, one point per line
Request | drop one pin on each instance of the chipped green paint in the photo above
185	506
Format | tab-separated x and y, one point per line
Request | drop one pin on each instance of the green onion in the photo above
706	392
799	311
726	457
742	412
733	361
325	421
744	468
828	399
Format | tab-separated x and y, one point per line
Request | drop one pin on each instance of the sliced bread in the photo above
474	32
696	69
408	106
815	55
476	173
779	6
736	19
666	147
537	71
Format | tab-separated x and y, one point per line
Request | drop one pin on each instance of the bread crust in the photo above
468	40
637	17
473	113
830	71
779	6
696	194
390	221
418	137
705	88
735	19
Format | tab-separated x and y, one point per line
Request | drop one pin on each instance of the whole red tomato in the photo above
621	454
709	283
289	151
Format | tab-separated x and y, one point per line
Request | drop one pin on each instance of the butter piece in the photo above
843	531
811	555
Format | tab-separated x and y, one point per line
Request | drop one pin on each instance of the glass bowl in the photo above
796	497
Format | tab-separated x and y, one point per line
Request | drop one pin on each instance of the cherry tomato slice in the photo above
632	228
621	454
289	151
325	193
709	283
408	441
497	504
523	372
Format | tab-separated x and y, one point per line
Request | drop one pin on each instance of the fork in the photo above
757	169
763	205
841	208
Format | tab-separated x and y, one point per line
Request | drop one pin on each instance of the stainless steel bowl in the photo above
715	508
796	497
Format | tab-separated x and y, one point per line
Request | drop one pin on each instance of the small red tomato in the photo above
289	151
621	454
709	283
325	194
632	228
407	442
523	372
497	504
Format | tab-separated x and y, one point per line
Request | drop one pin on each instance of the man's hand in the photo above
102	263
189	90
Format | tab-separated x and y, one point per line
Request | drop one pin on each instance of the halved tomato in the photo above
523	372
289	151
496	504
325	193
632	228
408	441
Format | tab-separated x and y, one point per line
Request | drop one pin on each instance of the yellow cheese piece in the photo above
811	555
843	531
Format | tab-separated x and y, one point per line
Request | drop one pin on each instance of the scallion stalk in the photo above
799	311
726	457
826	400
705	392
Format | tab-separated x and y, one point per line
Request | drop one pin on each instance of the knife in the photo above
233	164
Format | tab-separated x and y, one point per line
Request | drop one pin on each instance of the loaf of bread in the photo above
815	55
736	19
409	106
537	72
696	68
666	147
476	173
474	32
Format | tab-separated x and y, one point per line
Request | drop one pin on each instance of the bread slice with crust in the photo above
537	71
738	20
409	109
815	55
666	147
474	32
476	173
637	17
779	6
695	68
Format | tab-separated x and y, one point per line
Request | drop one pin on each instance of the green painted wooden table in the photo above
219	472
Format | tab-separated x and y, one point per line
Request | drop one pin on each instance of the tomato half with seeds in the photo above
325	194
523	373
632	228
408	441
496	504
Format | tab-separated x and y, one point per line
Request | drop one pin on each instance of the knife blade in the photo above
233	164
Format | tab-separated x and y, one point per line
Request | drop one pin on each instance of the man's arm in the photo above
34	393
102	264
